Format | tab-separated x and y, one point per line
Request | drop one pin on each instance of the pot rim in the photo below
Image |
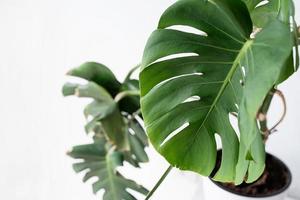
283	189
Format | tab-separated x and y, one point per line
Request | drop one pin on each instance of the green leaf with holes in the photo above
103	164
186	99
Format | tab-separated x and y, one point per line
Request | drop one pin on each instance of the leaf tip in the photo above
69	73
69	152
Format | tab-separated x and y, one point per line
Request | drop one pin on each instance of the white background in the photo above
40	40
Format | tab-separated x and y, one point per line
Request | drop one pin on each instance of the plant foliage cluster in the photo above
207	60
117	135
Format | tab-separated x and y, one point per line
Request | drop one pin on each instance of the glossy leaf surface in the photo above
191	82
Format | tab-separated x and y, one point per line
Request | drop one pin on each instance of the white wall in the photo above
42	39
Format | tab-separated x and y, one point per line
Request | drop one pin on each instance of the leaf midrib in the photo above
235	65
204	83
110	177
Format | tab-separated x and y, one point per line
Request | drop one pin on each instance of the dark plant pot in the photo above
272	185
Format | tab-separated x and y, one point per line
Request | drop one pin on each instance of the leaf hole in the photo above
100	193
295	58
131	132
178	55
262	3
198	73
243	69
192	99
234	123
92	179
236	105
174	133
175	77
292	23
188	29
218	141
136	194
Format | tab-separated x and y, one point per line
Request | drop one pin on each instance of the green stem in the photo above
265	108
159	182
280	94
262	115
132	71
124	94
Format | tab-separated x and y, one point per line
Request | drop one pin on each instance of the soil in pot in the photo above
275	179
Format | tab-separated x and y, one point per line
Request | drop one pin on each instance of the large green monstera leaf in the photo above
103	164
200	65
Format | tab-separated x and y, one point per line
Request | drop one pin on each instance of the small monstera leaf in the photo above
104	109
110	114
186	99
103	76
97	73
103	164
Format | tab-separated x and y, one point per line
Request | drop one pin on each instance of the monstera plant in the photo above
209	64
117	135
209	60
